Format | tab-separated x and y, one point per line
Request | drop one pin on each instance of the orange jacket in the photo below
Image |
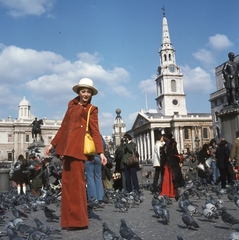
69	139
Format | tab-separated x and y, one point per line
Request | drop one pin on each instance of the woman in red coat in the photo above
69	144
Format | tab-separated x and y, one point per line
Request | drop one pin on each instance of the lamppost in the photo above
13	151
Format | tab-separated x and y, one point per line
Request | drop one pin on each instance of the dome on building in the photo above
24	102
24	109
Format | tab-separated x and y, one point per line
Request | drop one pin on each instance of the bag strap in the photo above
88	118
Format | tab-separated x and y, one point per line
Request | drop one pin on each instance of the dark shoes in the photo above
74	228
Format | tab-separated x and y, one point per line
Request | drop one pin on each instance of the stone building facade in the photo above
16	136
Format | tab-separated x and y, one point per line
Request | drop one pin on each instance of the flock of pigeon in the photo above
19	223
212	210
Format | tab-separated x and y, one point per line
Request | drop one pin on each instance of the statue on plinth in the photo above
230	73
36	129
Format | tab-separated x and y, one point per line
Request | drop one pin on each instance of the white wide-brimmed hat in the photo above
85	83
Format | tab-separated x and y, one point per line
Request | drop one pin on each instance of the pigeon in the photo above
45	228
162	212
50	214
120	207
188	219
17	213
228	218
13	235
209	214
236	201
126	232
234	235
108	234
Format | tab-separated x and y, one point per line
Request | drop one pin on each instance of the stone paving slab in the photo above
143	222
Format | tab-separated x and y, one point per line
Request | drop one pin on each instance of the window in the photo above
186	133
205	133
9	156
173	86
9	137
165	57
27	138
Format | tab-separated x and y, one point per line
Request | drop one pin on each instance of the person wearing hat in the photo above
69	144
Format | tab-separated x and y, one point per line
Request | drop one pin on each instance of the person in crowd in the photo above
118	181
192	167
55	167
206	174
130	172
119	167
234	154
212	149
37	177
69	143
93	171
158	148
173	179
222	156
19	175
106	172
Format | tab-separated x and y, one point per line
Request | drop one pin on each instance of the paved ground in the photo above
143	222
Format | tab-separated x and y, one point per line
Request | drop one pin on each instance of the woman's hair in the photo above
205	147
128	136
212	141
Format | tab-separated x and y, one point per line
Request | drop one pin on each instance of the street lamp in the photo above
13	151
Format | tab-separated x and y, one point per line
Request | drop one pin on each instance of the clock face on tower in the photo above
171	68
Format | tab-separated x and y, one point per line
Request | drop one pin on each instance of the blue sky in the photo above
47	46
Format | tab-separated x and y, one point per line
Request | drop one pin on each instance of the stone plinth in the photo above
4	180
229	116
39	145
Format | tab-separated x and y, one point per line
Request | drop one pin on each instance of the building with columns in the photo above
15	134
190	130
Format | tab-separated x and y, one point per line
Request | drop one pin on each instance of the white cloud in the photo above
148	86
50	78
219	42
205	56
21	8
197	80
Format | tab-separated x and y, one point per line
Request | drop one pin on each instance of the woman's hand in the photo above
103	159
48	150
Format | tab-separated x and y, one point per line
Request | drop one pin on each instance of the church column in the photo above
181	139
141	147
148	145
145	146
152	140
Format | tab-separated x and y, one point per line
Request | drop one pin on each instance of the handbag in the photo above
132	160
89	145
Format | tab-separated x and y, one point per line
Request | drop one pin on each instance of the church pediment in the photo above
140	120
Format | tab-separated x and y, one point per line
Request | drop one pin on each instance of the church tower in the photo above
119	128
169	82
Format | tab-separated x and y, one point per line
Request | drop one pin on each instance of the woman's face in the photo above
85	95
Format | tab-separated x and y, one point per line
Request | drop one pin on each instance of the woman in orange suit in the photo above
69	144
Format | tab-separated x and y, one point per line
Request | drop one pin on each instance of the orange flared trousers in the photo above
73	201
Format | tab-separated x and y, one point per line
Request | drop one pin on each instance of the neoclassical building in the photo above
15	134
190	130
218	100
